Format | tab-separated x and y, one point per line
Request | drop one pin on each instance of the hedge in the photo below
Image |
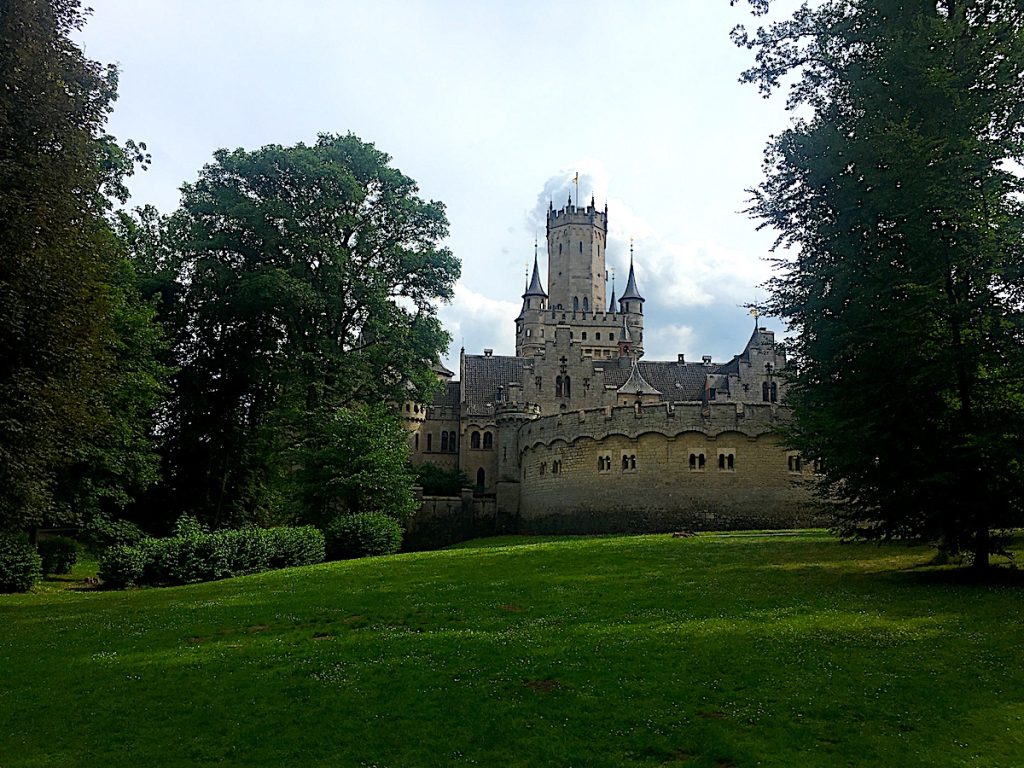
361	535
202	556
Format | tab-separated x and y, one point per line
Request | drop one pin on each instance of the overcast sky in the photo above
491	107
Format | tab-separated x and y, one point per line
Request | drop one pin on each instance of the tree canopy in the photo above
77	373
897	192
304	280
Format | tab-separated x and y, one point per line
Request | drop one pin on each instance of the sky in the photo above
492	107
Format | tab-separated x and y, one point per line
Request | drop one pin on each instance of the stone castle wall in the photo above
628	469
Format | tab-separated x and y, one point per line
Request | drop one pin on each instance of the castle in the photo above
577	433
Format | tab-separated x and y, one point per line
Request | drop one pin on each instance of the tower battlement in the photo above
572	214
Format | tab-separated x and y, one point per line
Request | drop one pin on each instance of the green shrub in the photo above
248	550
20	564
368	533
101	533
59	554
123	565
290	547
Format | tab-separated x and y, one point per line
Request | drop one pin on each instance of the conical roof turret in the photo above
535	288
631	293
613	305
636	384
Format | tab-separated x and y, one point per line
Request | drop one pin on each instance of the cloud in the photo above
477	321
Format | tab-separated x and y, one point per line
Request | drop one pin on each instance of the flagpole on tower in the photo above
576	181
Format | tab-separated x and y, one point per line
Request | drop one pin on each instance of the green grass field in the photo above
713	651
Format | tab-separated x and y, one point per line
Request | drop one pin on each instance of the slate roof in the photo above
447	397
483	375
535	289
631	292
674	381
636	384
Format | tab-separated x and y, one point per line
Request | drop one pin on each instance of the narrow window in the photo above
730	462
712	393
453	442
559	249
775	392
608	463
721	461
558	386
693	461
480	477
488	440
575	303
408	407
764	391
600	463
444	442
586	304
429	441
584	333
567	386
529	333
597	335
417	442
581	246
625	462
700	461
632	462
474	441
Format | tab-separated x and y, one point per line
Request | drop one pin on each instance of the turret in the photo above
530	323
631	302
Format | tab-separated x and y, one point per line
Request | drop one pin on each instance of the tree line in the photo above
235	360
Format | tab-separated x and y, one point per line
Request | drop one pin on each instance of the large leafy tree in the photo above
307	279
71	434
898	191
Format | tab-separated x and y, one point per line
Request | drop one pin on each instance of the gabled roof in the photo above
483	374
675	381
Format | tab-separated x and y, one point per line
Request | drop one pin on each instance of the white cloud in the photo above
477	321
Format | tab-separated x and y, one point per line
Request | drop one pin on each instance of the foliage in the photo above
616	651
305	280
58	554
353	461
192	555
70	431
899	194
362	535
20	564
101	532
123	565
437	481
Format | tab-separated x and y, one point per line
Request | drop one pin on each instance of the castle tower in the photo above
577	238
530	323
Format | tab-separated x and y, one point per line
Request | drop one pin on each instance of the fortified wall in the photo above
659	467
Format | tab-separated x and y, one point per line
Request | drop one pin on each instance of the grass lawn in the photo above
714	651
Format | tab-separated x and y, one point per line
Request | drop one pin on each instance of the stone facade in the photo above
577	433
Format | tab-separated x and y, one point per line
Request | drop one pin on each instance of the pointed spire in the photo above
612	304
535	288
636	384
631	293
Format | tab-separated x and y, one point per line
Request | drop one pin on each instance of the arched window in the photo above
632	462
430	440
608	463
417	442
730	462
474	441
600	463
453	442
444	442
775	392
764	391
558	386
586	304
488	440
721	461
567	386
480	477
575	303
625	462
700	461
693	461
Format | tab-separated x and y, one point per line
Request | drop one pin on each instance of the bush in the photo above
123	565
20	564
368	533
290	547
59	554
198	556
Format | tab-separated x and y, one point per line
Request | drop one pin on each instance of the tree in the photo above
899	193
60	309
306	282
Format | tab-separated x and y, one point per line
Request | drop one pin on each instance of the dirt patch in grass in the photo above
323	636
511	608
547	685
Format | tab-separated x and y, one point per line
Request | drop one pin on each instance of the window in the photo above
721	461
417	442
474	441
559	249
700	461
575	303
726	462
795	464
488	440
429	441
693	462
558	386
543	468
632	462
567	386
480	478
444	442
453	442
608	463
775	392
597	335
712	393
556	467
600	463
764	392
408	407
581	246
529	332
586	304
625	462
